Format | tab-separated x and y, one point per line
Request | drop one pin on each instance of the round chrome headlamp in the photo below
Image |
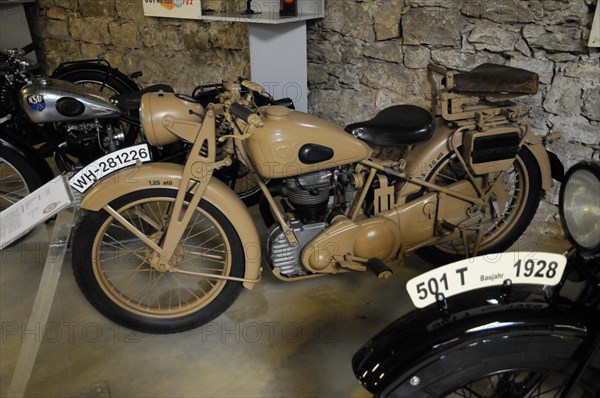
580	206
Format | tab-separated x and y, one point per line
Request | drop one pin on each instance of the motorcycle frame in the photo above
428	153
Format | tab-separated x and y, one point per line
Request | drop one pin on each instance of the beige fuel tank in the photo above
292	143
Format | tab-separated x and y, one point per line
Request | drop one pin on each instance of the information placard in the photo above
191	9
34	209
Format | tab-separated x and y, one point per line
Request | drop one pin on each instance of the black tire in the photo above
512	365
171	313
517	215
99	81
17	177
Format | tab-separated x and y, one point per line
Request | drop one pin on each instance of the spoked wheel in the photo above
17	178
516	196
97	82
116	272
515	384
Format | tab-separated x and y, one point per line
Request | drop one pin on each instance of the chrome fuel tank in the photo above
48	100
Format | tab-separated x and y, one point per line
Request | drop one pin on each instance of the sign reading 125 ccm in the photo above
173	8
486	271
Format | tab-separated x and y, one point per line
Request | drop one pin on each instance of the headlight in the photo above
580	206
184	110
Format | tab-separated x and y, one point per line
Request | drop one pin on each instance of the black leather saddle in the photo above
132	101
396	126
496	79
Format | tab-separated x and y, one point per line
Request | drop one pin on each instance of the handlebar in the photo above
253	86
247	115
240	111
27	49
440	70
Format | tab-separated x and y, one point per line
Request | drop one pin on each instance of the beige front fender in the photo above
168	175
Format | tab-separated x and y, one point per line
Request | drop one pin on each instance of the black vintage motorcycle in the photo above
51	117
24	144
512	340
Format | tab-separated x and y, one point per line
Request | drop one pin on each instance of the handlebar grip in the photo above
28	48
440	70
253	86
240	111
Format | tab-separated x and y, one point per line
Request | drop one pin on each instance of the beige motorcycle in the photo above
163	248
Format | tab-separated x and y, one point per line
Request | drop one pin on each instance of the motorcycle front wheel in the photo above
98	81
112	266
17	178
516	198
523	364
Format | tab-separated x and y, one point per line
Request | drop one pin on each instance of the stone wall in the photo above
180	52
363	56
368	54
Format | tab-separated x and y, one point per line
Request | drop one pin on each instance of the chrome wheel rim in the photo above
12	185
502	211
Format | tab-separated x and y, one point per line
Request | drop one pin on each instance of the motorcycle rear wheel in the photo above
112	267
522	185
518	364
17	179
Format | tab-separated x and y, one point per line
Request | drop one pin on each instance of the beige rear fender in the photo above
168	175
424	157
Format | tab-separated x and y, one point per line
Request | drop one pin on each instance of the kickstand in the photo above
466	245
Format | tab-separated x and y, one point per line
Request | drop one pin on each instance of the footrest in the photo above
379	268
445	227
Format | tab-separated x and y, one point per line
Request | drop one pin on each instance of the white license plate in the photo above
486	271
107	164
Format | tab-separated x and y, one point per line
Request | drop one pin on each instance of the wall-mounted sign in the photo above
191	9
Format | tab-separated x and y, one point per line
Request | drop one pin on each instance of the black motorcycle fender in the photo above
26	151
421	334
66	68
556	166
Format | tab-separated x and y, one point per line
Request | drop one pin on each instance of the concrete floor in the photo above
279	340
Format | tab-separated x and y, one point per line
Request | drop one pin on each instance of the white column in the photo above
14	30
278	60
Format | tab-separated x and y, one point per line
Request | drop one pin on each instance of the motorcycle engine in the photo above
309	195
8	95
94	137
285	257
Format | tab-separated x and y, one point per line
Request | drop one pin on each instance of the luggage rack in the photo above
484	91
457	107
